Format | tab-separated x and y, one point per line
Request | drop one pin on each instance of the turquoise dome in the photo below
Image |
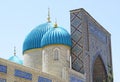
57	35
15	59
33	40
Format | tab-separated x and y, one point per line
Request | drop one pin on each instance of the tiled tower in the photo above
76	20
91	47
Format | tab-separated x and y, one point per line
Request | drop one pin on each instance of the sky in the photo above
19	17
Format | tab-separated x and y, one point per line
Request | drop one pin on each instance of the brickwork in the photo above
11	77
27	74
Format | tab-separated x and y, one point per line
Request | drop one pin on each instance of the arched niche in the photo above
99	71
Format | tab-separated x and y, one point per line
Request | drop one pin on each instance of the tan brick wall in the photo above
9	76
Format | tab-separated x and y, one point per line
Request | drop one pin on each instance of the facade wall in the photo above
99	45
19	73
95	42
12	72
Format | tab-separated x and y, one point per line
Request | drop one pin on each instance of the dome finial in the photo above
48	15
55	25
14	51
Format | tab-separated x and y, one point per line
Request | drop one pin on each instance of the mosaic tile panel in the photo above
97	32
76	22
72	16
43	79
75	79
77	50
2	80
72	29
23	74
77	35
3	68
77	66
77	42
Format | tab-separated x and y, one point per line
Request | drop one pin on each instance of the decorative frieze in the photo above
43	79
23	74
3	68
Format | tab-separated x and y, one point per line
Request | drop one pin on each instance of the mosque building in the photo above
51	54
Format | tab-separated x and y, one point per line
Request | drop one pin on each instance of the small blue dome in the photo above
57	35
15	59
33	40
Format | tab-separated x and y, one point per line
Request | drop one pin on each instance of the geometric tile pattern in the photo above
23	74
3	68
96	40
75	79
42	79
77	42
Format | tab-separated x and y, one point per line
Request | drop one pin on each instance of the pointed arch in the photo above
99	71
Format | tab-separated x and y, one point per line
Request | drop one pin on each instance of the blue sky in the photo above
19	17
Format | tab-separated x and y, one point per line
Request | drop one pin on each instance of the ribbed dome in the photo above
57	35
16	59
33	40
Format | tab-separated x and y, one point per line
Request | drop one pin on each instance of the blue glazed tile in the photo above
2	80
42	79
3	68
75	79
97	32
23	74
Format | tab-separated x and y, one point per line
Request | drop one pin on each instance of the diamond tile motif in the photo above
77	65
72	29
77	43
76	50
80	28
80	42
80	15
76	22
76	35
72	16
